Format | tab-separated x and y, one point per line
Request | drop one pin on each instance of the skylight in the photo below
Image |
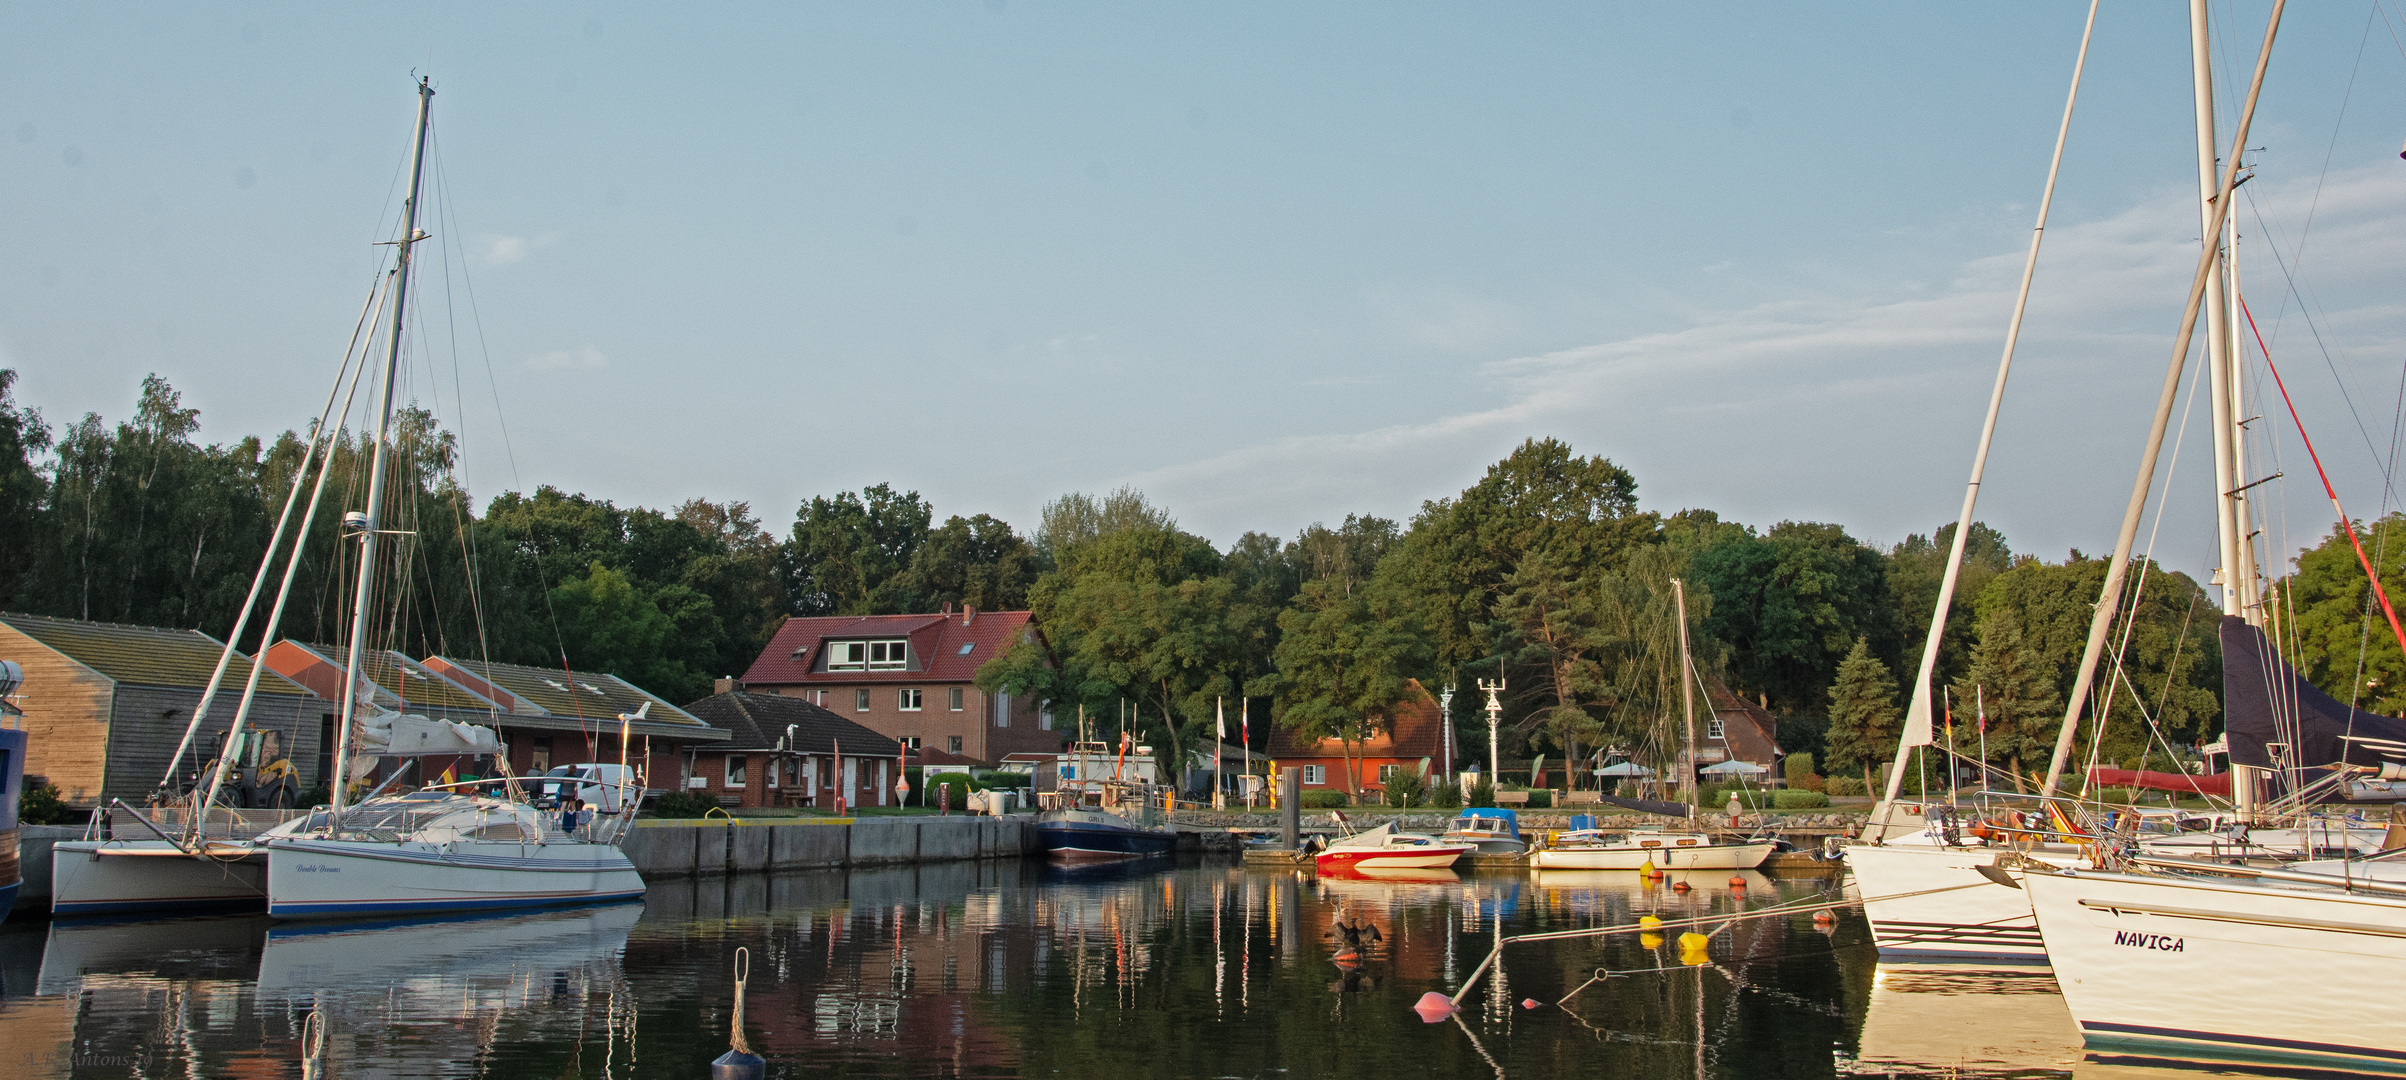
965	648
556	685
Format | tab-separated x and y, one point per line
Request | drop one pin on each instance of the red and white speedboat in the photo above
1385	848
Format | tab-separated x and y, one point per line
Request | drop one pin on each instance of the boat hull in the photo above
1426	857
1935	902
311	878
2305	970
131	877
1710	857
1087	835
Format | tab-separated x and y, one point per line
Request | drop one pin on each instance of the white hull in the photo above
1934	901
2228	970
115	877
312	878
1704	857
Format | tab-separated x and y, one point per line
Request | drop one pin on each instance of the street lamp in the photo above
1495	719
1445	708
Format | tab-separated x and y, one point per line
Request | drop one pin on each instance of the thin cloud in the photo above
585	356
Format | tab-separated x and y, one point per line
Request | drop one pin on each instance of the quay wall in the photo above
716	846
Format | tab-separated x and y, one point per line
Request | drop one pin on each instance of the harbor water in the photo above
1011	969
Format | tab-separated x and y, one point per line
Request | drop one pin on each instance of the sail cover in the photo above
408	734
2266	702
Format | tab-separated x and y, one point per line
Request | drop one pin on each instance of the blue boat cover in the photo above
1509	817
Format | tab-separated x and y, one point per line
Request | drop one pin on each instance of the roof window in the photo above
965	648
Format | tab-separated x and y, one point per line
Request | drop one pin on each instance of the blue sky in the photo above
1271	263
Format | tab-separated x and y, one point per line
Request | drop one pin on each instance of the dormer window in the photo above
889	655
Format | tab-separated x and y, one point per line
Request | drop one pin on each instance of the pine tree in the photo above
1863	713
2016	688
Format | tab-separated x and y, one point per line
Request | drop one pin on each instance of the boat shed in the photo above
559	717
106	704
784	751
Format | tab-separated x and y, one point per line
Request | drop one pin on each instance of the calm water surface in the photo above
1005	969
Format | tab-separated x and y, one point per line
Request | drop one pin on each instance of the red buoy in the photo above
1737	882
1824	917
1528	1003
1433	1007
1679	886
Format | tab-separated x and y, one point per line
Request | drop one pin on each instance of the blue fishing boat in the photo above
1103	820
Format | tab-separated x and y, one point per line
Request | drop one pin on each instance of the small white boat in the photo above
1383	848
1490	830
1592	849
431	852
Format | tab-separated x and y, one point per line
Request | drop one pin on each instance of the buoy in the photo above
1736	882
1650	942
1824	917
1693	942
1646	869
1433	1007
1648	922
1680	886
739	1062
1528	1003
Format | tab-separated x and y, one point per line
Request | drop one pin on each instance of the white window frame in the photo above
860	700
773	770
881	654
1002	708
955	700
910	699
1387	772
1315	775
1713	729
1044	716
736	772
953	744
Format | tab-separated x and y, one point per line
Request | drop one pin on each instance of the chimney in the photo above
968	614
726	685
947	607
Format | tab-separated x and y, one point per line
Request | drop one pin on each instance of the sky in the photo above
1270	263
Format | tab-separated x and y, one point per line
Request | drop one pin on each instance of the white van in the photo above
600	786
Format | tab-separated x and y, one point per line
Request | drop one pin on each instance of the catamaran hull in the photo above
1101	836
128	877
321	879
1712	857
2213	969
1935	902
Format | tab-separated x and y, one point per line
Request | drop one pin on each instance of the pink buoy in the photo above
1528	1003
1433	1007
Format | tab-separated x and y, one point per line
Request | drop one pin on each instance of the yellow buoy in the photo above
1646	869
1648	922
1650	941
1693	942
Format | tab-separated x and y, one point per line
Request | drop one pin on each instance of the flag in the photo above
1537	772
446	778
1220	719
1950	692
1980	700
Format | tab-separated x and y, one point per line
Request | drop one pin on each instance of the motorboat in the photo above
1596	849
1383	848
436	851
1489	830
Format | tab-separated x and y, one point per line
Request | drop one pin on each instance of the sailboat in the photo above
445	848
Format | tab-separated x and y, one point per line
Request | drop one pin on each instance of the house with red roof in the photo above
912	678
1413	732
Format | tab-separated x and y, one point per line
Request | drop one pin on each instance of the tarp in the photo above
2265	701
408	735
2217	785
1625	769
1733	766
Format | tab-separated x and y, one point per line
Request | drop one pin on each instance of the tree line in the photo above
1547	573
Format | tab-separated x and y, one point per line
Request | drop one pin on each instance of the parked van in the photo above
598	785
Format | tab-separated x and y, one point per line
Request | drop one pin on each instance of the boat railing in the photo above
223	822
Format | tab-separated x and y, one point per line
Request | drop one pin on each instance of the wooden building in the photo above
1414	732
106	705
784	751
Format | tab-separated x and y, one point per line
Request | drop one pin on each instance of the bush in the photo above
1809	782
1798	800
1325	799
1407	789
1481	794
677	804
39	804
1446	795
1846	785
1796	767
958	784
1540	798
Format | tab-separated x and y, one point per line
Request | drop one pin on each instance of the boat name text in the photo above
2158	942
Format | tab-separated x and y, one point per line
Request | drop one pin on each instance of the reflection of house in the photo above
1739	730
1413	733
912	678
782	751
108	704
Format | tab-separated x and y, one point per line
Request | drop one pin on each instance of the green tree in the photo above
848	554
975	561
1916	568
1863	714
1346	658
1551	621
1791	603
2343	641
2016	709
23	437
658	638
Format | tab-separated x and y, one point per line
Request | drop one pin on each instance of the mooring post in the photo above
1290	806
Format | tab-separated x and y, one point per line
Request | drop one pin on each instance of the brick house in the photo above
1414	732
912	678
106	705
782	751
1738	730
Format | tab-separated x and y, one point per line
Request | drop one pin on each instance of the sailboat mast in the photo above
1917	712
1687	695
363	594
2217	320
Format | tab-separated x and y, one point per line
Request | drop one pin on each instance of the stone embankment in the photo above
713	846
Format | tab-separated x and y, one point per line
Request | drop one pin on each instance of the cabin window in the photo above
907	699
860	700
1315	774
735	770
956	699
1712	729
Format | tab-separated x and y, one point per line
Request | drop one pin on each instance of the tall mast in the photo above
2217	320
1917	713
1687	696
363	596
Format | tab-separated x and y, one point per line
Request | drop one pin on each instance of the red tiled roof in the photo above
1418	731
936	642
1749	730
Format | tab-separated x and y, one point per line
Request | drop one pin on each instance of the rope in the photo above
735	1025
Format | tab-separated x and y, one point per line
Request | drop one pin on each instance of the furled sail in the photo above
408	735
2266	704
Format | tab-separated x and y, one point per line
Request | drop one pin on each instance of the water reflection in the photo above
1004	969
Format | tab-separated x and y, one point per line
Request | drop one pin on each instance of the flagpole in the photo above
1244	726
1219	734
